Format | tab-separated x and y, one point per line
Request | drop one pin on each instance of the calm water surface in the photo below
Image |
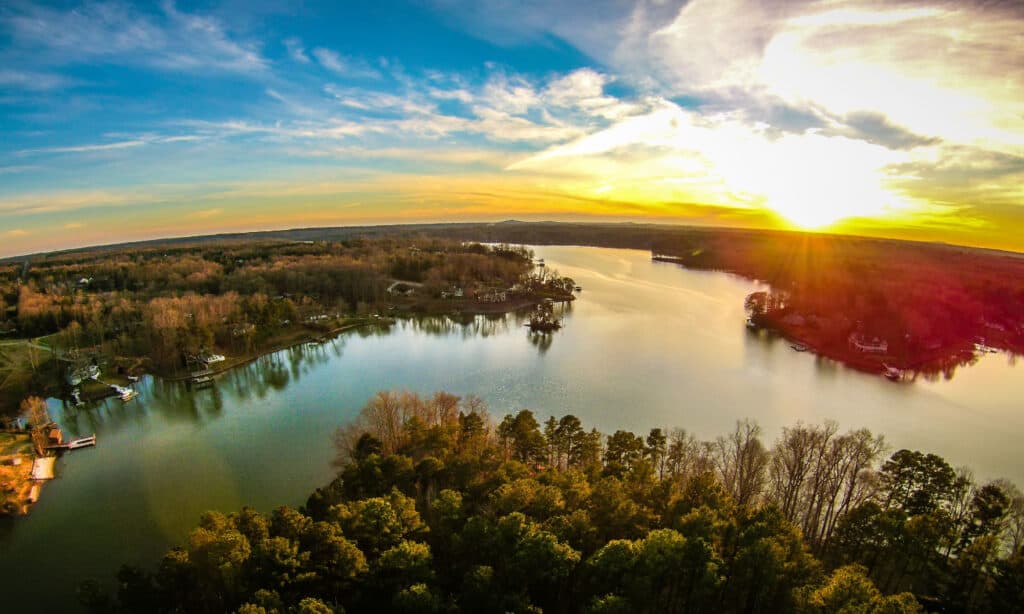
647	344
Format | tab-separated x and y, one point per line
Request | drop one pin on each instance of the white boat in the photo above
126	394
893	373
799	347
212	358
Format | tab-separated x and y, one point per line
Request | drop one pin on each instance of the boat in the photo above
579	288
133	378
751	324
799	347
126	394
212	358
892	373
202	381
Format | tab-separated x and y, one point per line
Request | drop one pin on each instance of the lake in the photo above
646	344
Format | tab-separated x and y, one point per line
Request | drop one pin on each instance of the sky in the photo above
123	121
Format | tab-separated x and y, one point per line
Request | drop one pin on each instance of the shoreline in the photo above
245	359
481	309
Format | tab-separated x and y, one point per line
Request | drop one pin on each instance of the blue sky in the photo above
126	121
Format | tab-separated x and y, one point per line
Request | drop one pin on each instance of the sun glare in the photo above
814	181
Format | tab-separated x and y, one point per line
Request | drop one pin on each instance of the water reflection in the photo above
645	345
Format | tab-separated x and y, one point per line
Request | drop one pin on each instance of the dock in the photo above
74	444
201	379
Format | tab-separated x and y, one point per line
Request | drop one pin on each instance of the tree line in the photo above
166	303
437	507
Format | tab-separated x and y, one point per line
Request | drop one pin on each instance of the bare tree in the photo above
741	461
35	411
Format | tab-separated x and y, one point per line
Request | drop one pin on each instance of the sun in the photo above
808	215
814	182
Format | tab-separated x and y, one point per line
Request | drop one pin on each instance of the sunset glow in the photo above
140	121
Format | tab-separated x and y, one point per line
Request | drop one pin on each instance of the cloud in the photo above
32	80
19	168
876	128
121	34
296	51
129	143
72	225
17	232
670	152
51	201
207	213
345	66
87	148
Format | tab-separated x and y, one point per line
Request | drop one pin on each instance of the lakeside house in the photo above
492	296
453	292
79	375
875	345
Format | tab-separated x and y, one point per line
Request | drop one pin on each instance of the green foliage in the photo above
435	510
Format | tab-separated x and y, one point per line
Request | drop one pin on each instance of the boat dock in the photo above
75	444
201	379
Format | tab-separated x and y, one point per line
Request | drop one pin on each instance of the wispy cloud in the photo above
345	66
32	80
296	50
16	232
119	33
128	143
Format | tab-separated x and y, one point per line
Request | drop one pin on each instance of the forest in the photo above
158	308
438	507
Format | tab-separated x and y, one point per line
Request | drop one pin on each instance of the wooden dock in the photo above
74	444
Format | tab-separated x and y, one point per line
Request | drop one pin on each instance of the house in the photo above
872	346
492	296
454	292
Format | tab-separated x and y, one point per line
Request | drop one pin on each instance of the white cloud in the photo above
120	34
128	143
347	67
296	51
33	81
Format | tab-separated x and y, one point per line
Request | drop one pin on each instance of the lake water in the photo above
646	344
